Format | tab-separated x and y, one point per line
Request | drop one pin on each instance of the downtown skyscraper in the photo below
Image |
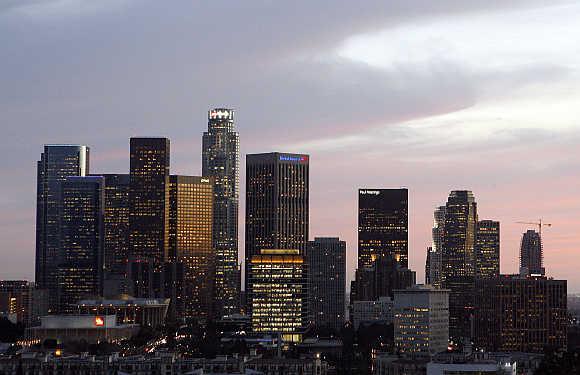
221	161
458	261
149	199
116	233
458	256
487	242
326	260
56	163
433	267
383	225
82	236
383	244
277	205
532	254
190	247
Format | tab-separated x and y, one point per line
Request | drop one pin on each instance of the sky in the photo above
430	95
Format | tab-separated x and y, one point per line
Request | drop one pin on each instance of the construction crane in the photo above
540	224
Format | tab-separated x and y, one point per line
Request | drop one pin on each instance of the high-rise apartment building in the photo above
487	249
149	199
532	254
421	320
520	314
383	228
190	242
56	163
326	260
278	293
221	161
277	213
81	266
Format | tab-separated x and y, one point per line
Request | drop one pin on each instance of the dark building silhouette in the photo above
516	314
116	233
56	163
487	244
81	266
116	222
532	254
326	261
149	204
221	161
382	225
276	203
22	300
458	261
381	279
190	243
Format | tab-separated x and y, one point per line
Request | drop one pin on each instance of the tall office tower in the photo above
278	293
532	254
383	228
116	233
487	249
458	261
221	160
436	249
521	314
190	241
459	235
421	320
276	203
149	200
82	240
326	260
56	163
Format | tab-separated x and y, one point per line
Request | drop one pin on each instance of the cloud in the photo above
431	114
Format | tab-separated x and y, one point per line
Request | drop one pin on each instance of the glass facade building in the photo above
278	293
383	228
326	259
221	161
190	243
487	245
459	235
149	199
277	200
434	256
458	261
56	163
82	237
532	254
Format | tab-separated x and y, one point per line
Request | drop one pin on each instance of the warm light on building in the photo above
278	294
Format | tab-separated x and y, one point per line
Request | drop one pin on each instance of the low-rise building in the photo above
69	328
143	311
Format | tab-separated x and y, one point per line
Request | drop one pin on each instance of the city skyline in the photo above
417	158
